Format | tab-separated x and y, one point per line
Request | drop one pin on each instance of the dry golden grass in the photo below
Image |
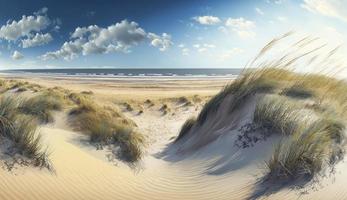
22	132
106	126
308	110
188	124
41	106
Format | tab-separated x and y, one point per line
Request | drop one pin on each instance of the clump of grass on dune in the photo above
130	142
128	107
290	104
314	135
84	105
186	127
279	114
34	87
22	132
243	87
105	126
308	151
313	140
41	106
3	86
17	84
308	110
182	100
87	92
164	109
20	86
77	98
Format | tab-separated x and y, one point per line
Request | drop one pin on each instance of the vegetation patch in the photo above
164	109
87	92
128	107
187	126
41	107
105	126
308	111
21	135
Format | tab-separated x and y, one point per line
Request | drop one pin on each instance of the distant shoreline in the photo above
128	73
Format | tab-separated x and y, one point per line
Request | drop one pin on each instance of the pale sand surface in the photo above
131	88
82	172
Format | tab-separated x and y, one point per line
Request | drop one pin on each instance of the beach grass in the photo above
186	127
41	106
22	132
308	151
297	91
307	110
106	126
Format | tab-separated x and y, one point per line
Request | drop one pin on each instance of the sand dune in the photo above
81	174
205	165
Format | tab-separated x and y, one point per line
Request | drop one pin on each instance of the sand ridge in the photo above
218	170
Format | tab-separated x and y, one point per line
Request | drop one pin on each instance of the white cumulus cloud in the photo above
330	8
162	42
17	55
207	20
24	27
37	40
119	37
242	27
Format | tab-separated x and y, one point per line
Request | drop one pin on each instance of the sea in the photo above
131	72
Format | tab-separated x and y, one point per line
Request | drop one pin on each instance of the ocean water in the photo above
132	72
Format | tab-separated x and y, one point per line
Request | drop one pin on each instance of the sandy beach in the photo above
81	171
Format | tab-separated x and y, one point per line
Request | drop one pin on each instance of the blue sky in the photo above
156	33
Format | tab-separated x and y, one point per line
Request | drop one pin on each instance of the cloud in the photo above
68	51
259	11
162	42
13	30
330	8
42	11
17	55
207	20
242	27
240	23
37	40
119	37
